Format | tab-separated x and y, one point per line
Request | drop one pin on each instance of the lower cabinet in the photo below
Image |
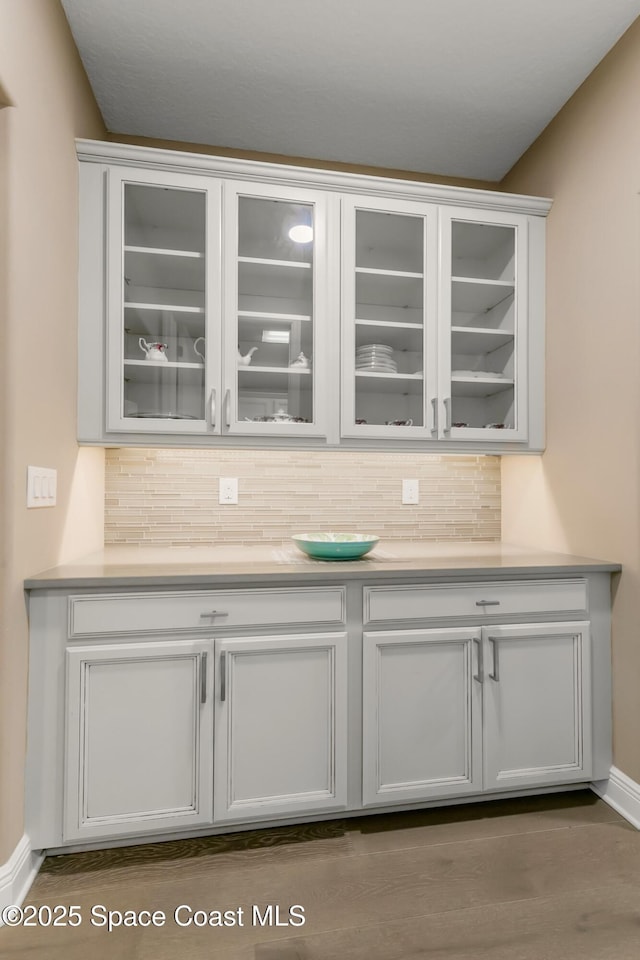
450	712
139	725
229	708
280	726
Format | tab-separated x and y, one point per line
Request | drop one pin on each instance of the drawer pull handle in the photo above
494	649
479	676
223	677
212	407
487	603
213	613
203	678
434	404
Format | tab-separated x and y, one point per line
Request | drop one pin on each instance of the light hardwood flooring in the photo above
545	878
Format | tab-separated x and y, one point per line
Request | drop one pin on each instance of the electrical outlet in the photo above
41	487
228	490
411	491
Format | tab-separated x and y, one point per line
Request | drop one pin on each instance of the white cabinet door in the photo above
138	755
537	704
422	715
163	302
389	307
281	734
278	325
484	325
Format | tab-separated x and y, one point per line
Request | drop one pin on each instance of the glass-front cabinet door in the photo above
388	297
275	309
482	326
163	302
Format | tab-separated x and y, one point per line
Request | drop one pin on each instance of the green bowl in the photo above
335	546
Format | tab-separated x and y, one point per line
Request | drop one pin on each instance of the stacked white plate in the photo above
376	358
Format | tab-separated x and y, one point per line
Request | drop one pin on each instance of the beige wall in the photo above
42	78
583	494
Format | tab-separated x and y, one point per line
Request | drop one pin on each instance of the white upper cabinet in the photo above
227	301
163	301
482	333
275	359
388	305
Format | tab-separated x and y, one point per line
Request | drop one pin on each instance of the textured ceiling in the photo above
453	87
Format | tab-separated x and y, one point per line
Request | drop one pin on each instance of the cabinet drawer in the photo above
139	613
473	601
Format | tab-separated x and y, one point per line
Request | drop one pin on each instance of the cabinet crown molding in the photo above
99	151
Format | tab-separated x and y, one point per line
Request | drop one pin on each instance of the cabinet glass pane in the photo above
275	321
483	341
389	319
164	302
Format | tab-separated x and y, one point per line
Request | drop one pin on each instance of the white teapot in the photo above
246	360
153	350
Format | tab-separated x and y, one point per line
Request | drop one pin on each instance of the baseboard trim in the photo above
622	793
18	873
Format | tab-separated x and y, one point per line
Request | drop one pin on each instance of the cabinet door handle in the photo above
494	650
434	404
223	677
212	407
487	603
225	405
447	410
213	613
203	678
479	676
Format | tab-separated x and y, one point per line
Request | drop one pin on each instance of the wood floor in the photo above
555	877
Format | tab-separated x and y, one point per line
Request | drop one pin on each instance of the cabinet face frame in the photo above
116	420
78	823
321	318
351	207
448	216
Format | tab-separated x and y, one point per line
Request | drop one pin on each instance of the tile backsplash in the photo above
158	497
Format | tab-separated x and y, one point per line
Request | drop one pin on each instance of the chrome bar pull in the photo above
212	407
434	404
223	677
203	678
494	649
479	676
447	410
227	401
213	613
487	603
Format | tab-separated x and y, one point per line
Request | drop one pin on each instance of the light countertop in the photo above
133	566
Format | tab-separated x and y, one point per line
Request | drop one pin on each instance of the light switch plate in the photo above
41	487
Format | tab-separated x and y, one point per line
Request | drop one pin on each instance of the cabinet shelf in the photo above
152	371
259	315
162	252
160	268
389	382
389	273
272	378
479	386
263	261
168	307
478	296
400	336
478	339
